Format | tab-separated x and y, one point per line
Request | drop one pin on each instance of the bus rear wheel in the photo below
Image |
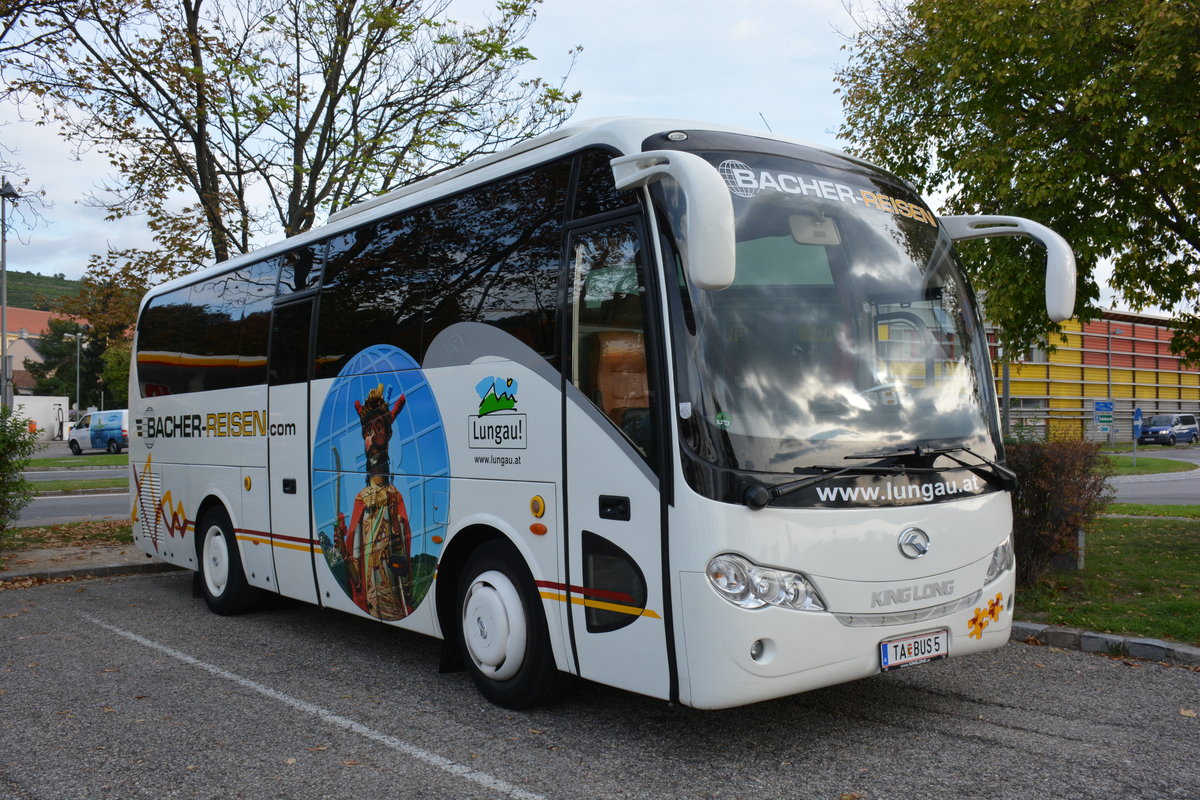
222	579
502	631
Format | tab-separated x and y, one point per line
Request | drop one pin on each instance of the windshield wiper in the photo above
999	473
760	495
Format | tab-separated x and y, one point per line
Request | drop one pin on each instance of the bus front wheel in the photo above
502	630
222	579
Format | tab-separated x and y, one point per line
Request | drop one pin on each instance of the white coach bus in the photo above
700	413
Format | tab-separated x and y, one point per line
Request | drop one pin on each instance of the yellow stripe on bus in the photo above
581	601
287	545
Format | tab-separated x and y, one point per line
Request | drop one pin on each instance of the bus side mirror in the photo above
1060	261
704	232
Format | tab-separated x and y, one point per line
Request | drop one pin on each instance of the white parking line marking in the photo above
432	759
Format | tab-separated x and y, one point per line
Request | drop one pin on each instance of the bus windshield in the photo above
849	328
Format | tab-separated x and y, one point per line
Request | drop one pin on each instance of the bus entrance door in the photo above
288	415
614	510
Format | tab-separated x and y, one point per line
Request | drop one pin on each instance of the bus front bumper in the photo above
733	656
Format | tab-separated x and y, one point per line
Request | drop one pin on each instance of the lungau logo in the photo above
497	426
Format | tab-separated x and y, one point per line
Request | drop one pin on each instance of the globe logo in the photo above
149	436
729	169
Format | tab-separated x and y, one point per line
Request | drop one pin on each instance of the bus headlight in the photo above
748	585
1003	559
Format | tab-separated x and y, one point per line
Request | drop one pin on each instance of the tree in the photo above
1080	114
17	445
56	374
109	304
115	374
227	120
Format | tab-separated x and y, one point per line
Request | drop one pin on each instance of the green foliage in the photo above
1140	579
17	446
1063	489
228	120
1080	114
116	374
56	374
30	290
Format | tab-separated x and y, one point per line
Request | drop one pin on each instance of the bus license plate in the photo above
914	650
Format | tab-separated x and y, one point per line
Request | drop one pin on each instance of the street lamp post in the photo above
76	336
7	195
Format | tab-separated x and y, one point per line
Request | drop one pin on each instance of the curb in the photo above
68	492
79	467
1089	642
94	571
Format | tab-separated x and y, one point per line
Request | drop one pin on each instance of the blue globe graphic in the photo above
418	457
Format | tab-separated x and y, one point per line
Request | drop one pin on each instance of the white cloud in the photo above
69	230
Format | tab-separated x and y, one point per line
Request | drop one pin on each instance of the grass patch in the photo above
1127	447
1123	465
78	462
1142	579
1149	510
66	485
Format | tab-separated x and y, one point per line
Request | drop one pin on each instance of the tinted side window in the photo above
289	343
299	269
595	192
255	330
490	255
209	357
370	296
162	331
211	335
497	258
608	331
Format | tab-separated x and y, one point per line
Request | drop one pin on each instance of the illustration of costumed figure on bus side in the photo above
377	543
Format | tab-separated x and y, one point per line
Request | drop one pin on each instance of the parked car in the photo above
100	430
1170	428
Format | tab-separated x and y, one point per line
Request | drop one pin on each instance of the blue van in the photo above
100	430
1170	428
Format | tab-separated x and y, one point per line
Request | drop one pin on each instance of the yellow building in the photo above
1122	358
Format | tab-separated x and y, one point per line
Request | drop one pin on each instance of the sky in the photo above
759	64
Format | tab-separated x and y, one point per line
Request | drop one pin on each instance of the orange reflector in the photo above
538	528
437	540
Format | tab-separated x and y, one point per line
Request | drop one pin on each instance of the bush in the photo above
1063	489
17	445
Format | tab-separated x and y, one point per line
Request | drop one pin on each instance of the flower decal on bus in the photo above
381	482
984	616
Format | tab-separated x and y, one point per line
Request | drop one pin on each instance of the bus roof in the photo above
625	134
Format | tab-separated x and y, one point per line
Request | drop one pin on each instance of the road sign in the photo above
1137	423
1103	412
